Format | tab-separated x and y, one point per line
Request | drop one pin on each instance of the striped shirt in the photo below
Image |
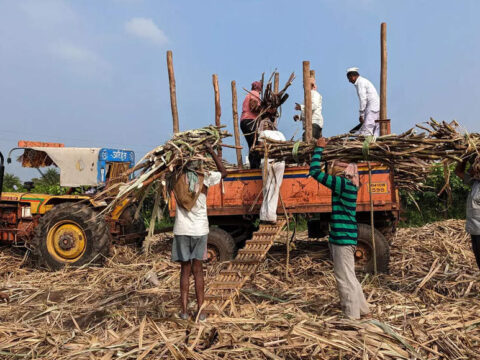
343	224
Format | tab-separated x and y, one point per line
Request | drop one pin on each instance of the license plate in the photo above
379	188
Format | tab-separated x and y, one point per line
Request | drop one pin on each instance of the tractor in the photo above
69	229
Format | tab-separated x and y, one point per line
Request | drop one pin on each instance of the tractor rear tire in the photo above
71	234
382	249
220	245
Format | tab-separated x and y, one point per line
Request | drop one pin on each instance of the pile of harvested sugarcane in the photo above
271	99
169	158
427	308
410	154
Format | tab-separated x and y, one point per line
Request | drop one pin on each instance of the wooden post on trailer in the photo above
307	101
276	82
236	132
218	109
384	121
173	91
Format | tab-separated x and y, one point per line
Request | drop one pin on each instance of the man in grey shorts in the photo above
191	228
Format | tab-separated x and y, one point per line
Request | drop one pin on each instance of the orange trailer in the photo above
234	204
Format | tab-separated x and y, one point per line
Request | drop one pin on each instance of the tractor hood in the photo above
78	166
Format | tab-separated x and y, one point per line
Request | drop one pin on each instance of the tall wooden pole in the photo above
384	125
218	110
307	100
276	81
236	132
173	91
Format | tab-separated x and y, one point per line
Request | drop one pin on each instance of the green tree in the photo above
12	183
433	207
48	183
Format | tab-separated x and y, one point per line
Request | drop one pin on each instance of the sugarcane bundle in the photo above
410	154
270	100
181	149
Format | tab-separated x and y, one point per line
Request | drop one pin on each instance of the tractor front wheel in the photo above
71	234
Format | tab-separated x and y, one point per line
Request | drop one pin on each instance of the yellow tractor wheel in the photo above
71	234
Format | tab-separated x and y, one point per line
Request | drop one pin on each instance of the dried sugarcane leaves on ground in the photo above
428	307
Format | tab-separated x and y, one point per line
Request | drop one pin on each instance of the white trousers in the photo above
370	127
352	299
271	190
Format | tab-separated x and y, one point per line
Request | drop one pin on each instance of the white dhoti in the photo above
352	299
370	126
271	190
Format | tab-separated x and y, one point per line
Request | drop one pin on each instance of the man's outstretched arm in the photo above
217	159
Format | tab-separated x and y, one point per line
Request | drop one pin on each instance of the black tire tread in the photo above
91	223
224	243
382	248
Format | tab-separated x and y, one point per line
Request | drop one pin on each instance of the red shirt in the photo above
246	112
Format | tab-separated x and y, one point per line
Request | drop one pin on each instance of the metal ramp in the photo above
227	283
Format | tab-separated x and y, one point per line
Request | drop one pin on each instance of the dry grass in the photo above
428	307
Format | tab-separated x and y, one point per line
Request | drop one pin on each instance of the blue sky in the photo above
93	73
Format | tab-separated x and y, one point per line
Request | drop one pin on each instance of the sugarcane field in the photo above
239	180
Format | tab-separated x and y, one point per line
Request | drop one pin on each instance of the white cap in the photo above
352	69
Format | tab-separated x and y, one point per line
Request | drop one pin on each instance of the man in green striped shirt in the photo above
343	230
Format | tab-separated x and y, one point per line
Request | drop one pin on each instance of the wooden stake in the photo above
307	101
173	91
218	109
372	221
236	132
276	82
384	125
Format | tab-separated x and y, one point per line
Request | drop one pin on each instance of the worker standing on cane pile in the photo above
248	122
272	176
191	226
343	182
317	117
369	103
472	178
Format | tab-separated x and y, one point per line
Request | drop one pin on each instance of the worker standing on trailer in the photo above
317	117
472	178
191	226
249	122
274	176
343	182
369	103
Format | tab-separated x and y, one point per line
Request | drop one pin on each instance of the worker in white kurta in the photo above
369	103
273	179
317	117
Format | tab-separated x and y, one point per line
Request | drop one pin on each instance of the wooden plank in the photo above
276	81
173	91
236	131
307	100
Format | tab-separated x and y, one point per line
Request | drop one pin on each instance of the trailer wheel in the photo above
220	245
364	251
71	234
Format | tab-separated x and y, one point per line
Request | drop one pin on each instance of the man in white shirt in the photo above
191	228
369	103
273	179
317	117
